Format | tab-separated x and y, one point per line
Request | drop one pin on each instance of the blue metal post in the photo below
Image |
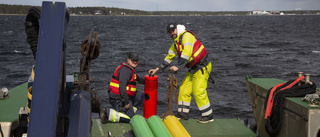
80	114
50	75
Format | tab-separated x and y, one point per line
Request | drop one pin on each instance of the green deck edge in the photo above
297	100
220	127
9	108
265	83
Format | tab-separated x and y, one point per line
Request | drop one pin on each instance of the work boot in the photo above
181	115
104	115
206	119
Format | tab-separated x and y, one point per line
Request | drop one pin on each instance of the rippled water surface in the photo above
260	46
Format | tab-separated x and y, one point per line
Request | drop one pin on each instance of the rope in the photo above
172	86
273	123
32	29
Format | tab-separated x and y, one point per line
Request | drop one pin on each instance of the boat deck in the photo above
9	110
220	127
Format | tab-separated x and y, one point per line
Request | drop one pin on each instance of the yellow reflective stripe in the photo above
114	84
134	109
112	116
167	60
207	113
172	52
199	50
28	109
188	43
123	115
29	94
185	57
184	103
117	86
184	110
32	73
204	107
117	117
132	89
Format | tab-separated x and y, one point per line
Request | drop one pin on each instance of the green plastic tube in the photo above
157	127
140	127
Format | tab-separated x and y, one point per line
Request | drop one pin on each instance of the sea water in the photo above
260	46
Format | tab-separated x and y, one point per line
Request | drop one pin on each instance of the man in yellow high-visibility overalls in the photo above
192	55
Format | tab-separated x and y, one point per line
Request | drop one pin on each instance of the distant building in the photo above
275	12
260	12
98	12
308	13
256	12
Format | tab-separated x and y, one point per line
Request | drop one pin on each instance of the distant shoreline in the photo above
112	11
175	15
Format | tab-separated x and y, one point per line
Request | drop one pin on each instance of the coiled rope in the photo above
32	29
277	94
172	86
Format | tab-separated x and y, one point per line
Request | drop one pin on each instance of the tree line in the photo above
23	9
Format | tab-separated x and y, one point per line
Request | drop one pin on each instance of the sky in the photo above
186	5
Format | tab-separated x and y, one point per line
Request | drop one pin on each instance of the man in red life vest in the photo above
192	55
123	95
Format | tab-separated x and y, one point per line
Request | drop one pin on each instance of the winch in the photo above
4	93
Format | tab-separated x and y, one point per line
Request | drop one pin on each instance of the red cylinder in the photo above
150	94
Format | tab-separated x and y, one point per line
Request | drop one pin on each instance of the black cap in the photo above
171	26
133	56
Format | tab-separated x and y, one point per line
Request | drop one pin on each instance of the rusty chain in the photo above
172	86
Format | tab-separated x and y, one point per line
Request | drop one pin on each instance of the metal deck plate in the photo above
9	108
220	127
